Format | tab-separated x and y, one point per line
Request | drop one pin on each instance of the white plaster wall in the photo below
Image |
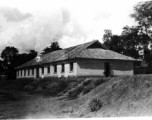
26	76
66	73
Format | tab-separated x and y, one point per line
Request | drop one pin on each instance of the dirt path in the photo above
23	105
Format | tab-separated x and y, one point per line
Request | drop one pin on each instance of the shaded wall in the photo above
92	67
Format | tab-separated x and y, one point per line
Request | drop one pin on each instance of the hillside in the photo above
120	96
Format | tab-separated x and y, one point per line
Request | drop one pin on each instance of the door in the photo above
107	69
37	72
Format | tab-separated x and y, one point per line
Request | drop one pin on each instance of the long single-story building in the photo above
91	59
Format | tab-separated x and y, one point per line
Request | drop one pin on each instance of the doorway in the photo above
107	69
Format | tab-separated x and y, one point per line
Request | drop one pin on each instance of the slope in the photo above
120	96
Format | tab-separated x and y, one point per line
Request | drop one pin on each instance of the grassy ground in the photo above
120	96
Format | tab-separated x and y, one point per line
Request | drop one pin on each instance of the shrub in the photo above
52	85
87	82
62	86
87	89
57	88
76	92
95	104
98	82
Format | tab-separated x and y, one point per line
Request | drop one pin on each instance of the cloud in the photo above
39	30
65	15
68	22
14	14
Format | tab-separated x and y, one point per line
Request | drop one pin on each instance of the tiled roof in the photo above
79	51
97	53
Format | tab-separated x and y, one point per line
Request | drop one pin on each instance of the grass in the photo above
76	92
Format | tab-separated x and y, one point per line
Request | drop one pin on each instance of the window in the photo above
62	69
33	71
42	70
48	69
71	66
55	68
24	72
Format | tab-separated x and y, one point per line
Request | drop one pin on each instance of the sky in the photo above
34	24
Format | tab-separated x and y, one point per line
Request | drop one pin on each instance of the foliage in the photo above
1	67
8	53
132	37
53	47
87	82
76	92
143	15
25	57
127	43
87	89
12	58
107	36
98	82
95	104
57	87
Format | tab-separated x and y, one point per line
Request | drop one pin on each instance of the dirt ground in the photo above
120	97
23	106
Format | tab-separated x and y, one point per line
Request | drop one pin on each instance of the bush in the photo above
95	104
87	82
98	82
87	89
76	92
57	88
52	85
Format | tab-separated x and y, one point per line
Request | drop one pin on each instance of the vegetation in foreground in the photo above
115	96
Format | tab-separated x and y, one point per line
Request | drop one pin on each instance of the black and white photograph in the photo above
75	59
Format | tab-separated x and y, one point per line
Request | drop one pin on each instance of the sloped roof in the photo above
97	53
79	51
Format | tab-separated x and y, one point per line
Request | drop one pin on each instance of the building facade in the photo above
86	60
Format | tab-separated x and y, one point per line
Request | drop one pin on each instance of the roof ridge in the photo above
76	48
44	55
92	42
89	43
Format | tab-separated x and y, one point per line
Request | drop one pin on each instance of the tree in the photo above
12	59
143	15
126	30
53	47
107	35
128	42
1	67
32	54
25	57
9	55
